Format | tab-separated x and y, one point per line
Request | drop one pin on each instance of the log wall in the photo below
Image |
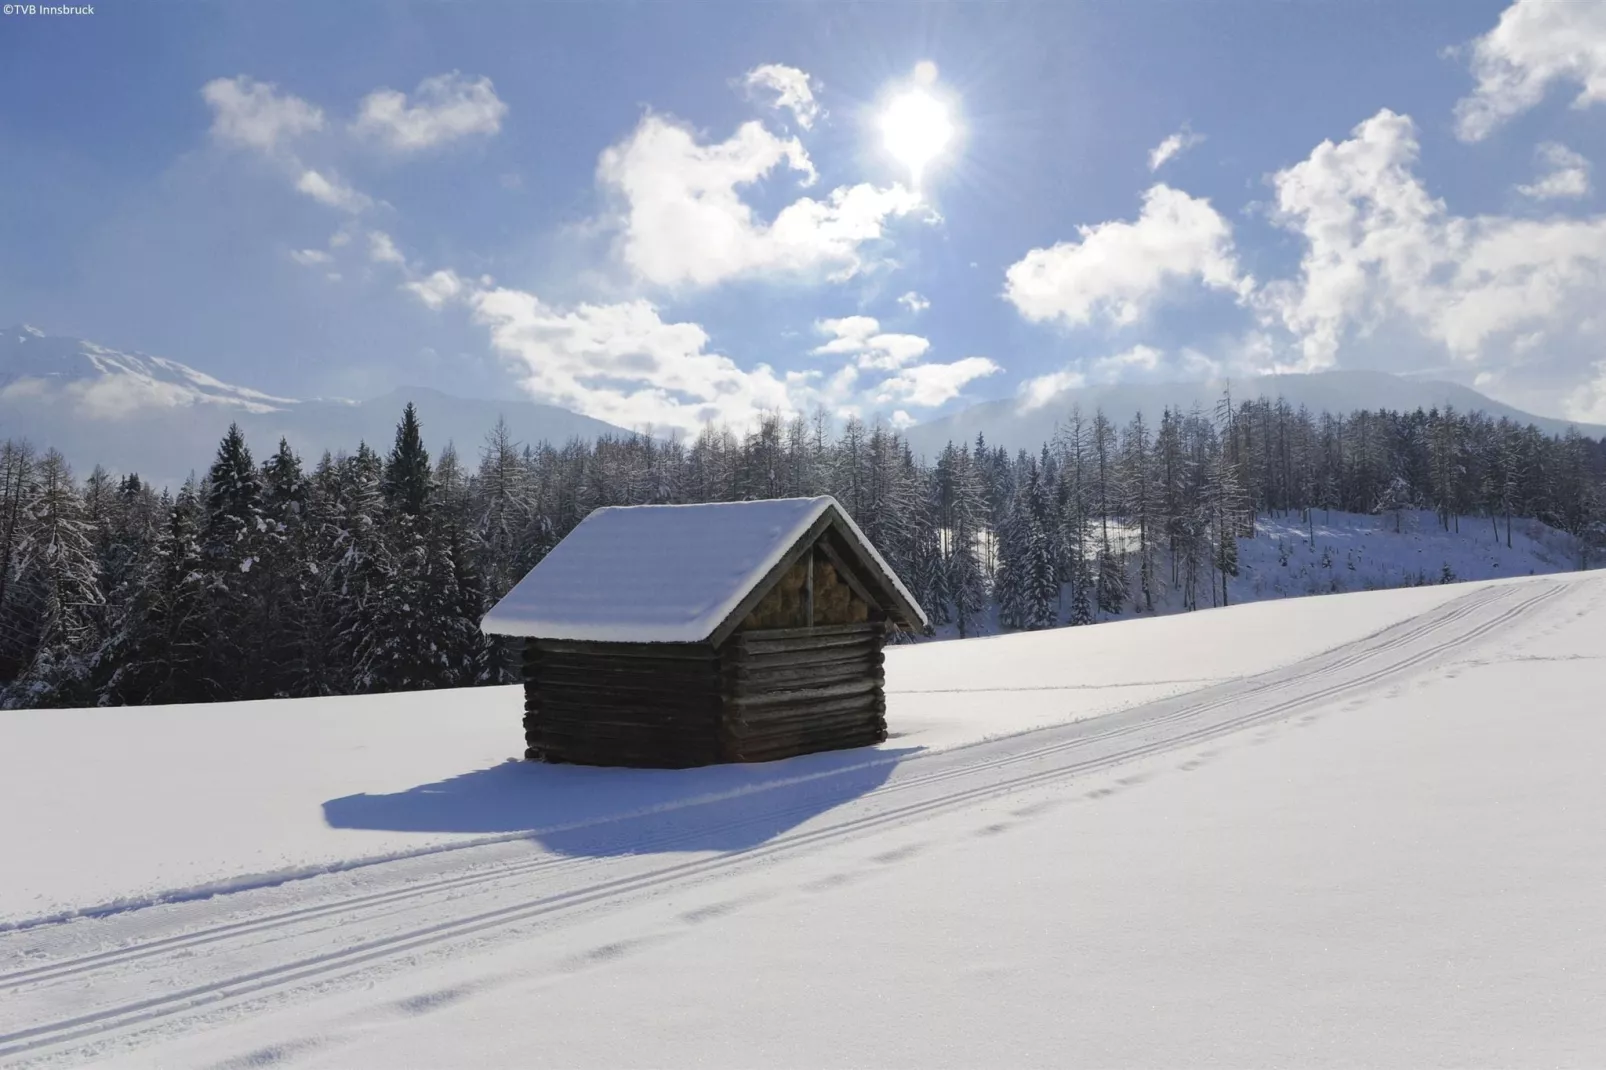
644	705
766	694
796	691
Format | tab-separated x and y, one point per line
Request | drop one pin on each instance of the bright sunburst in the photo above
916	126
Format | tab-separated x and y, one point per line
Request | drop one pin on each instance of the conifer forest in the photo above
268	576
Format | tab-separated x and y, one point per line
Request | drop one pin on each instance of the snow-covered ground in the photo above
173	802
1351	830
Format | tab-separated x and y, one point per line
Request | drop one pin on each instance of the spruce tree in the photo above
161	651
408	479
1040	588
231	547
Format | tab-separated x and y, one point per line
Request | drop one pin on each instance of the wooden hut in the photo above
682	635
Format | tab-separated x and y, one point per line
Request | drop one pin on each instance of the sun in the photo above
915	129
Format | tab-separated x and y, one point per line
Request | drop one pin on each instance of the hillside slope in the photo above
1338	552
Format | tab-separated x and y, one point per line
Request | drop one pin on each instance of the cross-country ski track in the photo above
128	981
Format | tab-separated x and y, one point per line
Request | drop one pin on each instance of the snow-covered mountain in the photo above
1011	423
137	413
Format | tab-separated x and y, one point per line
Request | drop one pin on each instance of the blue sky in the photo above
603	206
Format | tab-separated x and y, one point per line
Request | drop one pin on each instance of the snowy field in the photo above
1351	830
175	802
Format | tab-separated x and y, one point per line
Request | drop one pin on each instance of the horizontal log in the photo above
673	651
820	631
791	678
645	716
821	719
811	694
606	683
605	691
666	733
636	667
640	741
789	706
759	647
845	722
866	651
617	757
844	655
839	720
632	735
775	750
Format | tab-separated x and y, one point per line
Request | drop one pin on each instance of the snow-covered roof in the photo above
671	573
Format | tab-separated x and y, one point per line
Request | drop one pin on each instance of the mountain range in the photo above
1015	425
136	413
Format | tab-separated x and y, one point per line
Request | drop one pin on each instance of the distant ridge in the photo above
136	413
1006	424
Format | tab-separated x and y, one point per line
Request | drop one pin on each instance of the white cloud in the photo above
310	257
254	114
1139	363
382	250
862	338
914	302
1536	44
1565	174
791	89
1587	402
1035	393
1172	147
444	108
625	364
1140	359
930	385
436	290
1118	269
327	189
685	222
1382	253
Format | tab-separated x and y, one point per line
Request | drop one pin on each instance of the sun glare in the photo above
915	129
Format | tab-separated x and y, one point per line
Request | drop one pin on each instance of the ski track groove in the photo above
98	1023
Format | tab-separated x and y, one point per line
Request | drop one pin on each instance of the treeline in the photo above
370	573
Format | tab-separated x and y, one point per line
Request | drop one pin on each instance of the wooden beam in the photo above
850	576
771	578
808	590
